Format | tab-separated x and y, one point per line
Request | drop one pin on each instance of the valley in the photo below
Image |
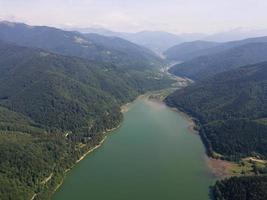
127	116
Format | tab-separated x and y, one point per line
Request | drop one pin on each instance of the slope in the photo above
92	47
53	109
231	109
186	51
205	66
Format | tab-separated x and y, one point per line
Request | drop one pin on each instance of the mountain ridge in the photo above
204	66
55	108
77	44
229	107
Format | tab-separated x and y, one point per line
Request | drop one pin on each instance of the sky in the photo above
177	16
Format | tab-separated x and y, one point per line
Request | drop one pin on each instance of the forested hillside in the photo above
245	188
93	47
205	66
195	49
231	109
187	50
53	109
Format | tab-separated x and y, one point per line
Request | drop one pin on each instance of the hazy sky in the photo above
136	15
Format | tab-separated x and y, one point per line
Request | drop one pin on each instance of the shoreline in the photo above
76	162
142	103
85	155
90	151
191	126
79	160
124	108
219	168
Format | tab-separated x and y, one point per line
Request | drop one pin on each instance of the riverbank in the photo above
152	156
91	150
124	109
79	160
159	96
192	125
219	168
246	167
222	169
86	154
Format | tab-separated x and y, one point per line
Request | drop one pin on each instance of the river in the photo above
152	156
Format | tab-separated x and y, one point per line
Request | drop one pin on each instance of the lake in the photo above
152	156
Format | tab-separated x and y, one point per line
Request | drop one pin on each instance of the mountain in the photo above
54	109
158	41
155	36
127	53
204	66
97	30
187	50
201	50
91	46
231	110
235	34
59	83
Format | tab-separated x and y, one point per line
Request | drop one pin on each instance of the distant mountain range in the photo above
222	57
93	47
160	41
188	50
236	34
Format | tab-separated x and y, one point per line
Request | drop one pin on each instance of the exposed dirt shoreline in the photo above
219	168
192	125
91	150
84	156
80	159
